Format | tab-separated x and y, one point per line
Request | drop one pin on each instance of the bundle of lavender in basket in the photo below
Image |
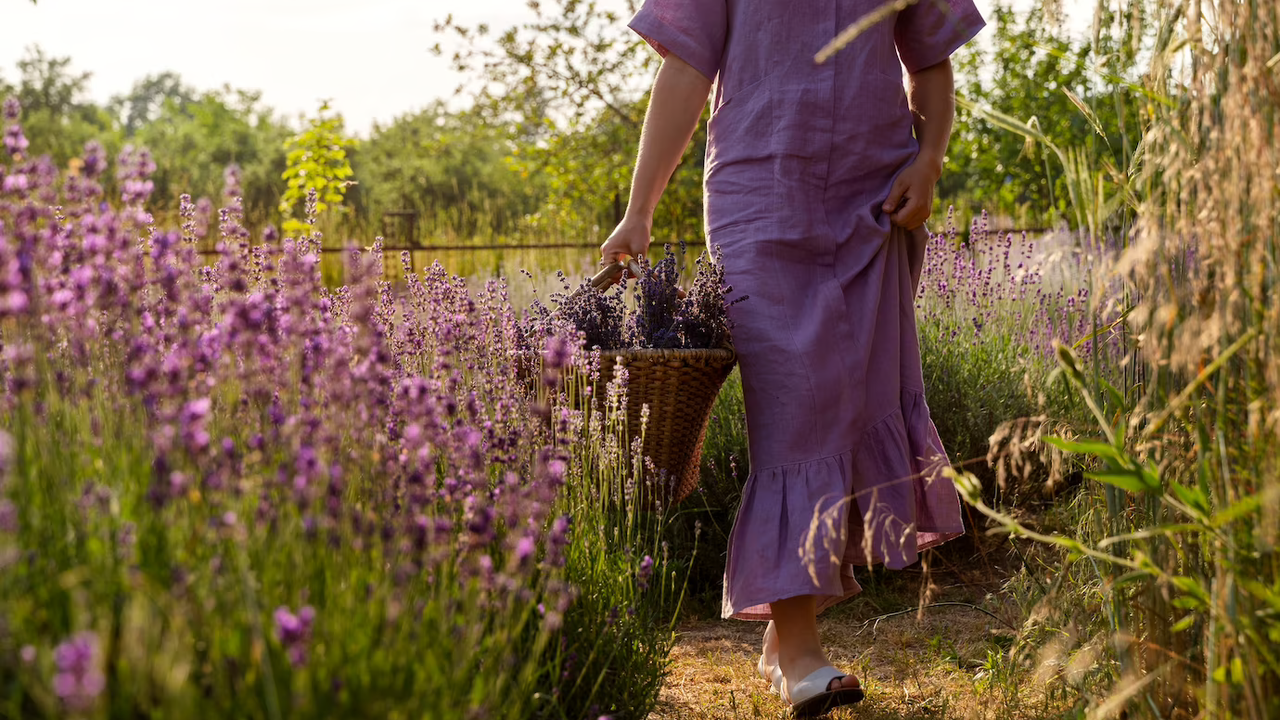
671	348
663	317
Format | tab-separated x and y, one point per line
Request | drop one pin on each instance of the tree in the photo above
56	117
194	139
571	83
316	160
145	102
1045	86
450	168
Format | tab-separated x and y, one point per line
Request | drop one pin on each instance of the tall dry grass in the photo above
1167	602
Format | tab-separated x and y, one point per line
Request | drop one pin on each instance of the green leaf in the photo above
1192	497
1185	623
1187	603
1191	587
1244	507
1131	480
1262	592
1096	448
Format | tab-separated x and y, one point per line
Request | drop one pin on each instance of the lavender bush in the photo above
227	491
990	309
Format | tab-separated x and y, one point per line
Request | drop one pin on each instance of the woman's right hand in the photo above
630	239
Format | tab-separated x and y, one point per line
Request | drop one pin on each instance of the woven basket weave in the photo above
680	388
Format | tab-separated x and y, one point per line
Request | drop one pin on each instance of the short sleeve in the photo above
927	32
692	30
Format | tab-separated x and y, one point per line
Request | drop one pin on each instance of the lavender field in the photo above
230	491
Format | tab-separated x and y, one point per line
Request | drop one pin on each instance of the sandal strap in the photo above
815	684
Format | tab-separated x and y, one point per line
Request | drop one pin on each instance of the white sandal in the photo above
811	697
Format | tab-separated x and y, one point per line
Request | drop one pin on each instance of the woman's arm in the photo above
932	96
675	107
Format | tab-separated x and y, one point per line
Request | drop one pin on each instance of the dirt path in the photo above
948	663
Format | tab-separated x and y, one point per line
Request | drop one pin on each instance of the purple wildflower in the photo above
524	550
645	574
95	160
193	417
14	141
231	191
557	353
134	169
294	632
78	681
8	516
6	455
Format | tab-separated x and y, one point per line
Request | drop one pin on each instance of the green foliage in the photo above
1033	106
57	118
194	137
614	648
568	82
706	517
450	169
317	161
144	104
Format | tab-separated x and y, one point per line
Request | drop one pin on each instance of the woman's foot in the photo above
800	670
767	666
795	670
820	692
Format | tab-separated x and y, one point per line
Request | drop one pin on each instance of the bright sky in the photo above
371	58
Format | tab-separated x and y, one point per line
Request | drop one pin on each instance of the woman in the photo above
819	179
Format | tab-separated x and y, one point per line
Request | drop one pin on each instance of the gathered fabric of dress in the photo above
846	465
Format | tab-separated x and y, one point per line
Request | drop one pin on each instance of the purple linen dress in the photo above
845	460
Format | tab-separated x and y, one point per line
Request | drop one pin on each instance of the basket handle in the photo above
611	272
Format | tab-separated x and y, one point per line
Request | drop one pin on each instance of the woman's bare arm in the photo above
675	107
932	96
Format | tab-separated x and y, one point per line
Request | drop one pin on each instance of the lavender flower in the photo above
134	169
557	353
645	573
78	681
6	455
231	191
662	319
8	516
95	160
14	141
294	632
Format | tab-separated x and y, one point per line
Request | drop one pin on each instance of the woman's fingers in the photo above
912	215
896	193
626	240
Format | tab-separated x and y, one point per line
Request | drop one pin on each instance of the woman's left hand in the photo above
910	200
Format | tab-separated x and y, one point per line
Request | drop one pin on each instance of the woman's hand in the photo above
910	200
630	239
931	94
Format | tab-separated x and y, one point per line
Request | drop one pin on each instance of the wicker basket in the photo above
680	388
